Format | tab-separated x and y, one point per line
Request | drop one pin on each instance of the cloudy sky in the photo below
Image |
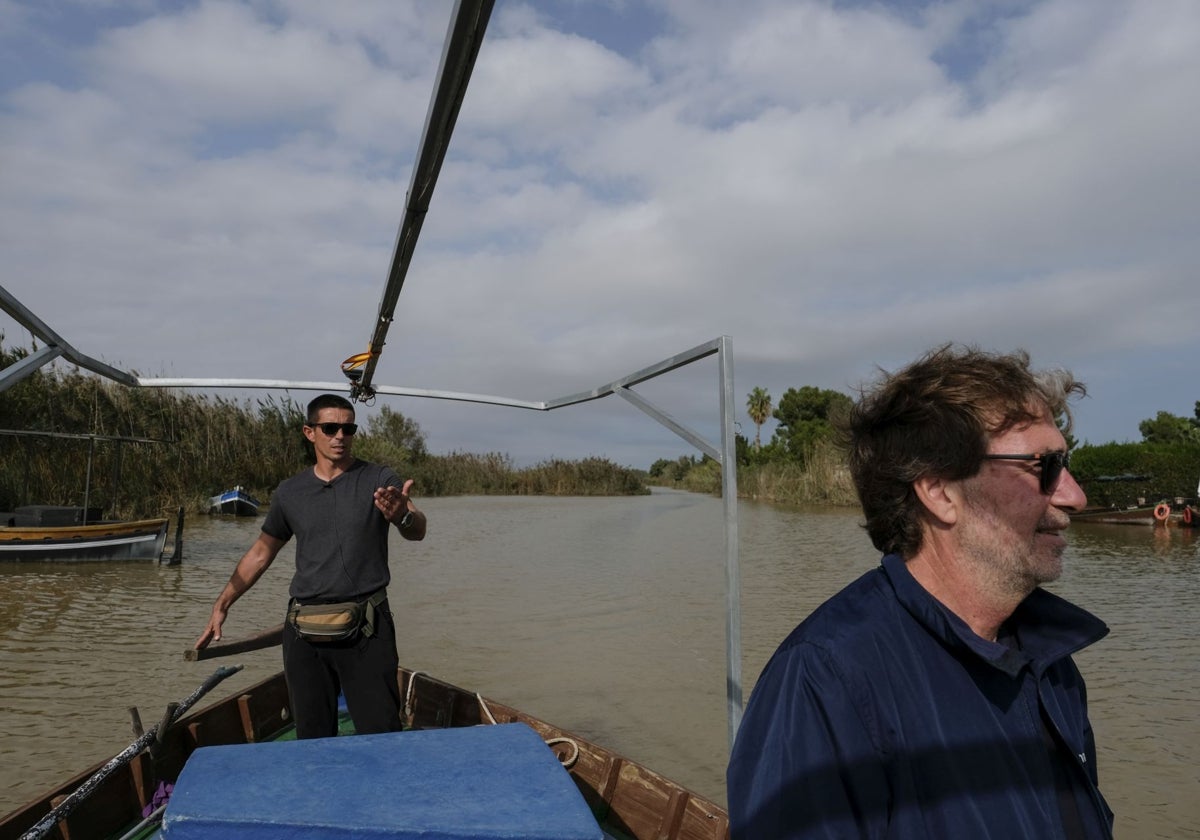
213	189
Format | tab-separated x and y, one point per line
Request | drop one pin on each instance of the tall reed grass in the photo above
206	444
822	479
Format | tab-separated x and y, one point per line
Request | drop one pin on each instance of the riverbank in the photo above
822	480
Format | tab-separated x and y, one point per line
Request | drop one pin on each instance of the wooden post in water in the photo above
177	555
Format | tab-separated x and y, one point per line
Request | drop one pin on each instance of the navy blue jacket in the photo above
883	716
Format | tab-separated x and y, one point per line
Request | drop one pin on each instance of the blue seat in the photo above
475	783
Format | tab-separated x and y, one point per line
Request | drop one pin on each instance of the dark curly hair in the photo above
935	417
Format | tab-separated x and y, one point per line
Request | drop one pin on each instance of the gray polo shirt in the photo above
341	537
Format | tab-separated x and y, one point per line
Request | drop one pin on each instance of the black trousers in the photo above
363	669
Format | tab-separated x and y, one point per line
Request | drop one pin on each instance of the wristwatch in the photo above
406	521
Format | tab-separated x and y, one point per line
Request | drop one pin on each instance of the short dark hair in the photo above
934	418
326	401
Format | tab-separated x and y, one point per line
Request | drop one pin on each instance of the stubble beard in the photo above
1008	566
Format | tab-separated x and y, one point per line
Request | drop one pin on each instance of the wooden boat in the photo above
236	502
626	799
45	533
1131	515
79	533
1163	513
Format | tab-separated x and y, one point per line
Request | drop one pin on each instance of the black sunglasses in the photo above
331	429
1051	465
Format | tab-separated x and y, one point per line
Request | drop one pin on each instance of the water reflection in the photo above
1143	679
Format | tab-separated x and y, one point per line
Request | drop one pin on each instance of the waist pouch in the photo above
335	622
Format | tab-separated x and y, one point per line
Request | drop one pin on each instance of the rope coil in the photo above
567	761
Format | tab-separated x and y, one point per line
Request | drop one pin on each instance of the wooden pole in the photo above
264	639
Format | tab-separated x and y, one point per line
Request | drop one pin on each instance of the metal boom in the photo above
467	27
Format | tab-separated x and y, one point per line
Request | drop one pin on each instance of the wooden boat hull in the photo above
1116	516
1185	517
141	539
628	800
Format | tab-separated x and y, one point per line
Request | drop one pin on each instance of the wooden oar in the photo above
264	639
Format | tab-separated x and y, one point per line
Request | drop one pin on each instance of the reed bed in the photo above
198	445
822	479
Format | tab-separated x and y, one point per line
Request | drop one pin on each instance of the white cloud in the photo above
215	190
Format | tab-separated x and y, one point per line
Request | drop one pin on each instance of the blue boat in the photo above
236	502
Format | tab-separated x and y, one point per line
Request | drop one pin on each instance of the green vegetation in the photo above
1170	429
806	418
803	464
1121	474
1164	466
396	440
758	406
205	444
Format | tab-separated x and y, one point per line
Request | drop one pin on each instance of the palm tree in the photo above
758	406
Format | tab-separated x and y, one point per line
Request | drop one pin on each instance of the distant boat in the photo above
1180	512
48	532
1131	515
1183	514
236	502
78	533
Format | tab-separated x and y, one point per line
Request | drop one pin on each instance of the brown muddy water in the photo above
604	616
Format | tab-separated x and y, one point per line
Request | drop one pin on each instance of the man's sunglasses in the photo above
331	429
1051	465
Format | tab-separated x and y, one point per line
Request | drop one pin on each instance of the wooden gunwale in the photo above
137	540
628	799
70	533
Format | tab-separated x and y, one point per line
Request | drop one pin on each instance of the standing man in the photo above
340	511
935	697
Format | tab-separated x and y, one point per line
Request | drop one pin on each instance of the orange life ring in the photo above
1187	515
1161	511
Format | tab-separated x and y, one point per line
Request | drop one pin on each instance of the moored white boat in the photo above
28	536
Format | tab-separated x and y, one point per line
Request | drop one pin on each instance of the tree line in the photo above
205	444
802	461
191	446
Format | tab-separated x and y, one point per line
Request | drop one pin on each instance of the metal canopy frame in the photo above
55	347
724	451
464	37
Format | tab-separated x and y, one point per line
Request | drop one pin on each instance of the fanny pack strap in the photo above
369	613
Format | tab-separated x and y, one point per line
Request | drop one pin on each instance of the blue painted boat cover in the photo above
474	783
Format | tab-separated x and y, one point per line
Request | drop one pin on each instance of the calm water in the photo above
605	616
